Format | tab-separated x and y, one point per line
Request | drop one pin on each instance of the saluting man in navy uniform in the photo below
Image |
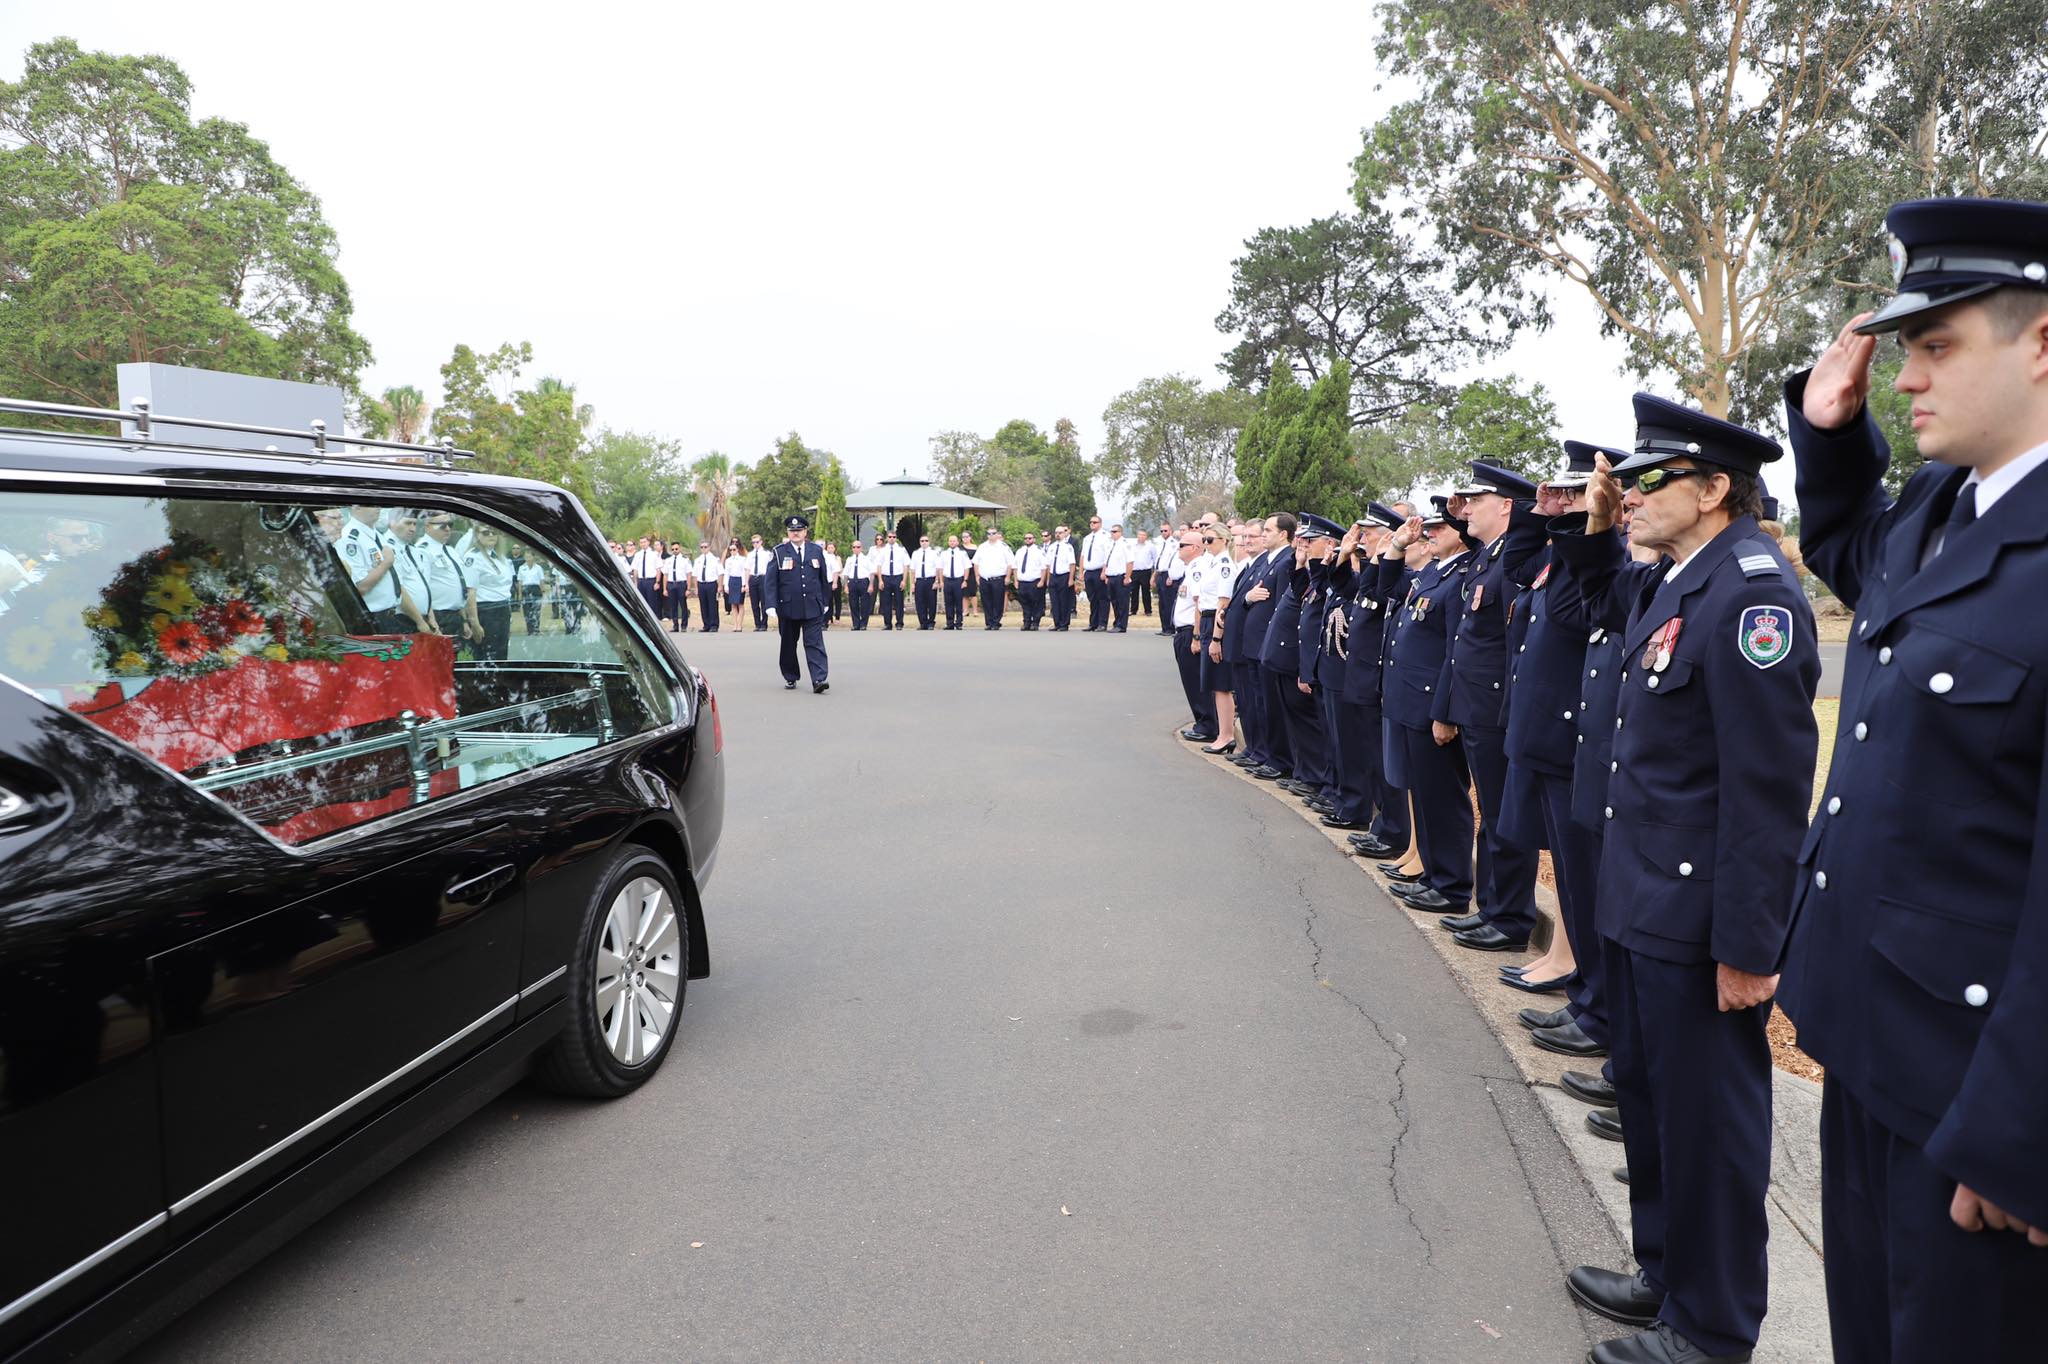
1712	774
1429	760
797	597
1918	967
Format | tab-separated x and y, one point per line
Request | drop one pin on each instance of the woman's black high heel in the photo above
1230	747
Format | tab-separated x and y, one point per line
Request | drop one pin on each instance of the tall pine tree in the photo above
1308	464
834	523
1283	400
1069	493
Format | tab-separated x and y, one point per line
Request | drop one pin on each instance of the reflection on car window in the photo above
314	667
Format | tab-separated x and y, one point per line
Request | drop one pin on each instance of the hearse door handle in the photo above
477	890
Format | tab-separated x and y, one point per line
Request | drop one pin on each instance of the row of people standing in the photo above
1113	575
1619	666
415	573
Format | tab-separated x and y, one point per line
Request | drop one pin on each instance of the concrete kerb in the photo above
1795	1330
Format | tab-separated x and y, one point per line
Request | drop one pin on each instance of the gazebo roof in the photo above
906	494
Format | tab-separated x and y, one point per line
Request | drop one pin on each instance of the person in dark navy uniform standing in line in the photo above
1547	653
1235	643
1350	582
1292	695
797	597
1431	761
1918	968
1471	699
1261	598
1713	772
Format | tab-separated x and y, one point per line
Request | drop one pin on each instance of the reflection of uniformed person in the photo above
1713	771
797	597
371	558
1918	967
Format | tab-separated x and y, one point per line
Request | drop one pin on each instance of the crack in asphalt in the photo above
1393	1042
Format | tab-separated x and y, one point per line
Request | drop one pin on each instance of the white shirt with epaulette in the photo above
359	548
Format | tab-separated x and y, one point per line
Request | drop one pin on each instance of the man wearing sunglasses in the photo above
1712	775
1920	925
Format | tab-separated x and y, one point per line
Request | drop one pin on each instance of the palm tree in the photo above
408	409
715	479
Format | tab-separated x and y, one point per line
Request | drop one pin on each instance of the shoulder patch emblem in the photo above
1765	634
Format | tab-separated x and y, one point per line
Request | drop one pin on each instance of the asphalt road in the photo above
1028	1038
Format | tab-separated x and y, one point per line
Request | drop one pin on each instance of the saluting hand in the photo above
1410	532
1840	381
1738	989
1603	496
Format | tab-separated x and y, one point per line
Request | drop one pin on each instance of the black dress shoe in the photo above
1487	938
820	686
1604	1122
1460	923
1533	1019
1392	871
1419	896
1626	1298
1661	1344
1195	736
1321	807
1534	987
1299	788
1569	1040
1267	773
1368	846
789	685
1621	1174
1333	822
1596	1090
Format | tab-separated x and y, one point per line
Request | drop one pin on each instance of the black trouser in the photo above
927	592
992	604
1141	584
496	619
1201	703
862	603
452	624
650	592
956	611
1248	686
1303	721
1442	788
1507	870
757	587
1031	597
1279	746
892	601
812	632
838	599
529	605
1695	1091
1098	598
1575	857
707	605
1354	733
1169	591
1120	601
678	599
1062	601
1392	825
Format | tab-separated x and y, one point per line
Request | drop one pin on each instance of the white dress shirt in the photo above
647	564
735	565
833	563
860	567
1062	552
678	568
1187	606
891	560
954	563
707	567
992	560
925	562
1119	560
1145	555
1094	550
1030	563
758	561
490	575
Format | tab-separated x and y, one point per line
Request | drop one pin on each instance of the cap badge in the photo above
1897	249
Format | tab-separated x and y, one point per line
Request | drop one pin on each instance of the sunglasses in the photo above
1649	480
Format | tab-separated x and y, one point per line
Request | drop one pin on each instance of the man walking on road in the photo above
798	595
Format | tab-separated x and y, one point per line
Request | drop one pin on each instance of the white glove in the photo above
771	614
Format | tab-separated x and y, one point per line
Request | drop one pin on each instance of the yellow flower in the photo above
159	622
131	662
102	617
277	653
173	594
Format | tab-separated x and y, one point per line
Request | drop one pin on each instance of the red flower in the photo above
237	617
183	642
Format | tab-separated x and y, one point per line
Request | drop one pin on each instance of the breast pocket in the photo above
1949	715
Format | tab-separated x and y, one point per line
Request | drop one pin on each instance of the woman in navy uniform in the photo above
1471	699
797	596
1712	774
1358	638
1918	967
1432	763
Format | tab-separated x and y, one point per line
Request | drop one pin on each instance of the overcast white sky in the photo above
865	222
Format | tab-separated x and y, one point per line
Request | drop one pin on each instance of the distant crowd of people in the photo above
1049	579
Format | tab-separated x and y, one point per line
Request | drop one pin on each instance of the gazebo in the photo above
909	496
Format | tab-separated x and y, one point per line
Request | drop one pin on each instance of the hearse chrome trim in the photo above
105	1252
548	979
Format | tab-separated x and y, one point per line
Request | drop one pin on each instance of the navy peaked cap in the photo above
1491	478
1947	250
1666	430
1311	525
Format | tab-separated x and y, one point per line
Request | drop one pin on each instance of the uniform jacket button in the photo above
1863	627
1653	681
1820	880
1614	767
1608	812
1862	731
1976	996
1834	805
1685	868
1884	655
1567	715
1593	672
1940	683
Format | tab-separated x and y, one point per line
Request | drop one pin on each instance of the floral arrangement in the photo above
182	611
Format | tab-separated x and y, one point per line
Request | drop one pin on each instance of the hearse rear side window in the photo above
314	666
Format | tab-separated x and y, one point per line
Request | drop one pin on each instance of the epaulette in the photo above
1758	559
